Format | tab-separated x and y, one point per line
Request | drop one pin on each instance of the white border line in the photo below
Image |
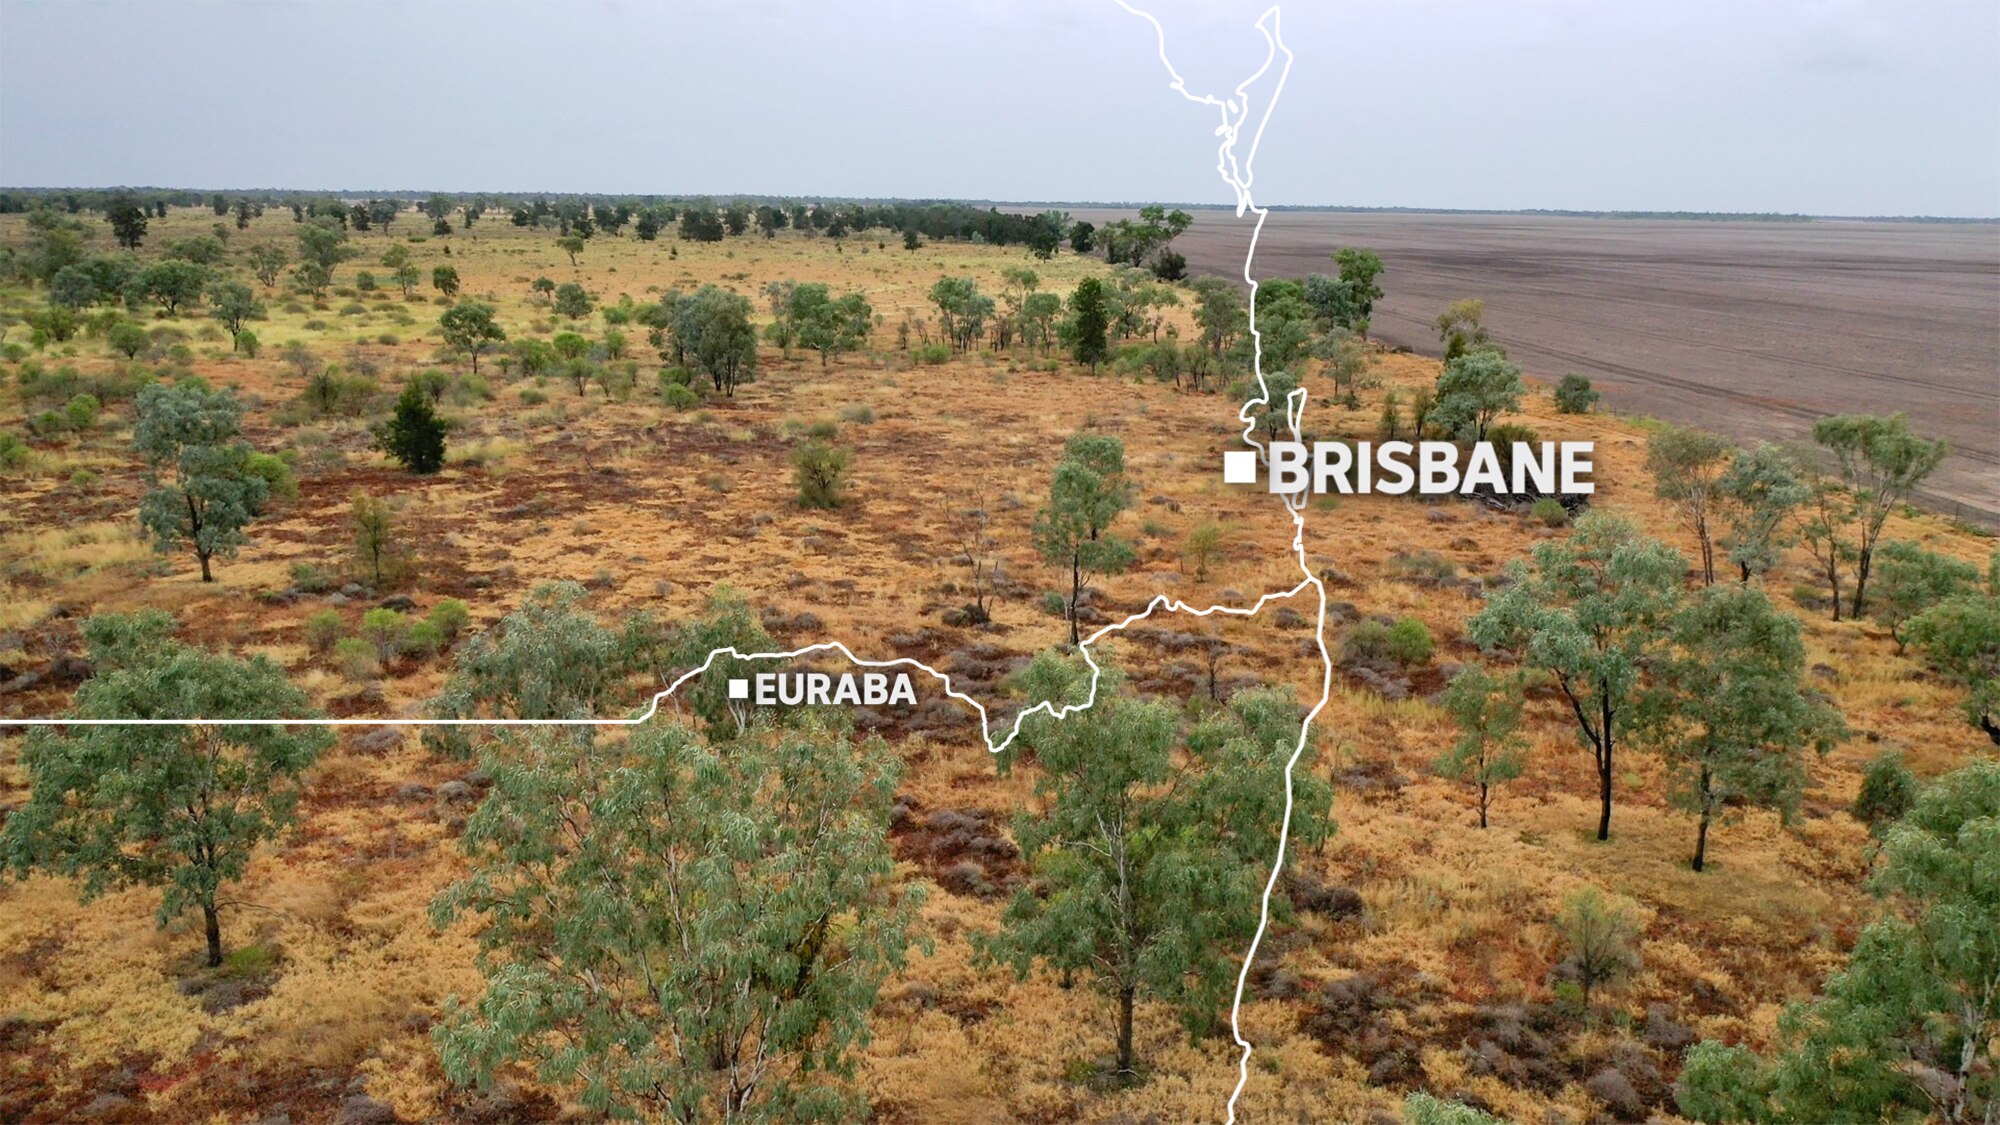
1234	112
1238	175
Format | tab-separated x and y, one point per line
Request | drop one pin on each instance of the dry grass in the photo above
656	507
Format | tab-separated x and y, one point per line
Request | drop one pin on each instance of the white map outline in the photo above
1238	175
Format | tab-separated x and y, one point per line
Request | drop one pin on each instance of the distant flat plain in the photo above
1751	329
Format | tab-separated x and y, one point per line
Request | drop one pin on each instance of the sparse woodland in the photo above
1678	803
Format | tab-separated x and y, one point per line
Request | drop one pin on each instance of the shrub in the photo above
383	630
246	342
322	631
1423	1109
128	339
820	470
1409	642
13	451
532	397
421	638
311	578
1599	934
1365	643
1422	567
1722	1083
1550	512
931	354
678	398
1054	604
356	659
80	413
822	431
859	413
1888	790
1574	395
451	617
1204	544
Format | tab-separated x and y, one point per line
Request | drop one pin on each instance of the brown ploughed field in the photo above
1749	329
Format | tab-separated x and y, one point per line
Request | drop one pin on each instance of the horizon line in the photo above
1680	214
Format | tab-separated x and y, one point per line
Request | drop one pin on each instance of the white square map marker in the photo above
739	689
1239	466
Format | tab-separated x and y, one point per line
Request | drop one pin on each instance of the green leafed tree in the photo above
1358	270
962	310
1575	395
1490	750
179	807
1474	389
1587	611
201	491
267	263
1960	639
323	241
826	324
1880	462
549	659
681	931
232	303
1905	1031
1725	709
1911	580
172	282
1150	853
1072	530
444	279
572	301
1759	492
1461	327
469	329
713	336
1688	466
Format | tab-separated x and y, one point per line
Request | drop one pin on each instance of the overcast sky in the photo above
1819	106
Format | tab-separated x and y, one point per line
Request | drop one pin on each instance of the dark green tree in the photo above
414	434
172	282
1089	319
572	301
713	336
128	222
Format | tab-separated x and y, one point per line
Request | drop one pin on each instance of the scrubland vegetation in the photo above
1675	803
